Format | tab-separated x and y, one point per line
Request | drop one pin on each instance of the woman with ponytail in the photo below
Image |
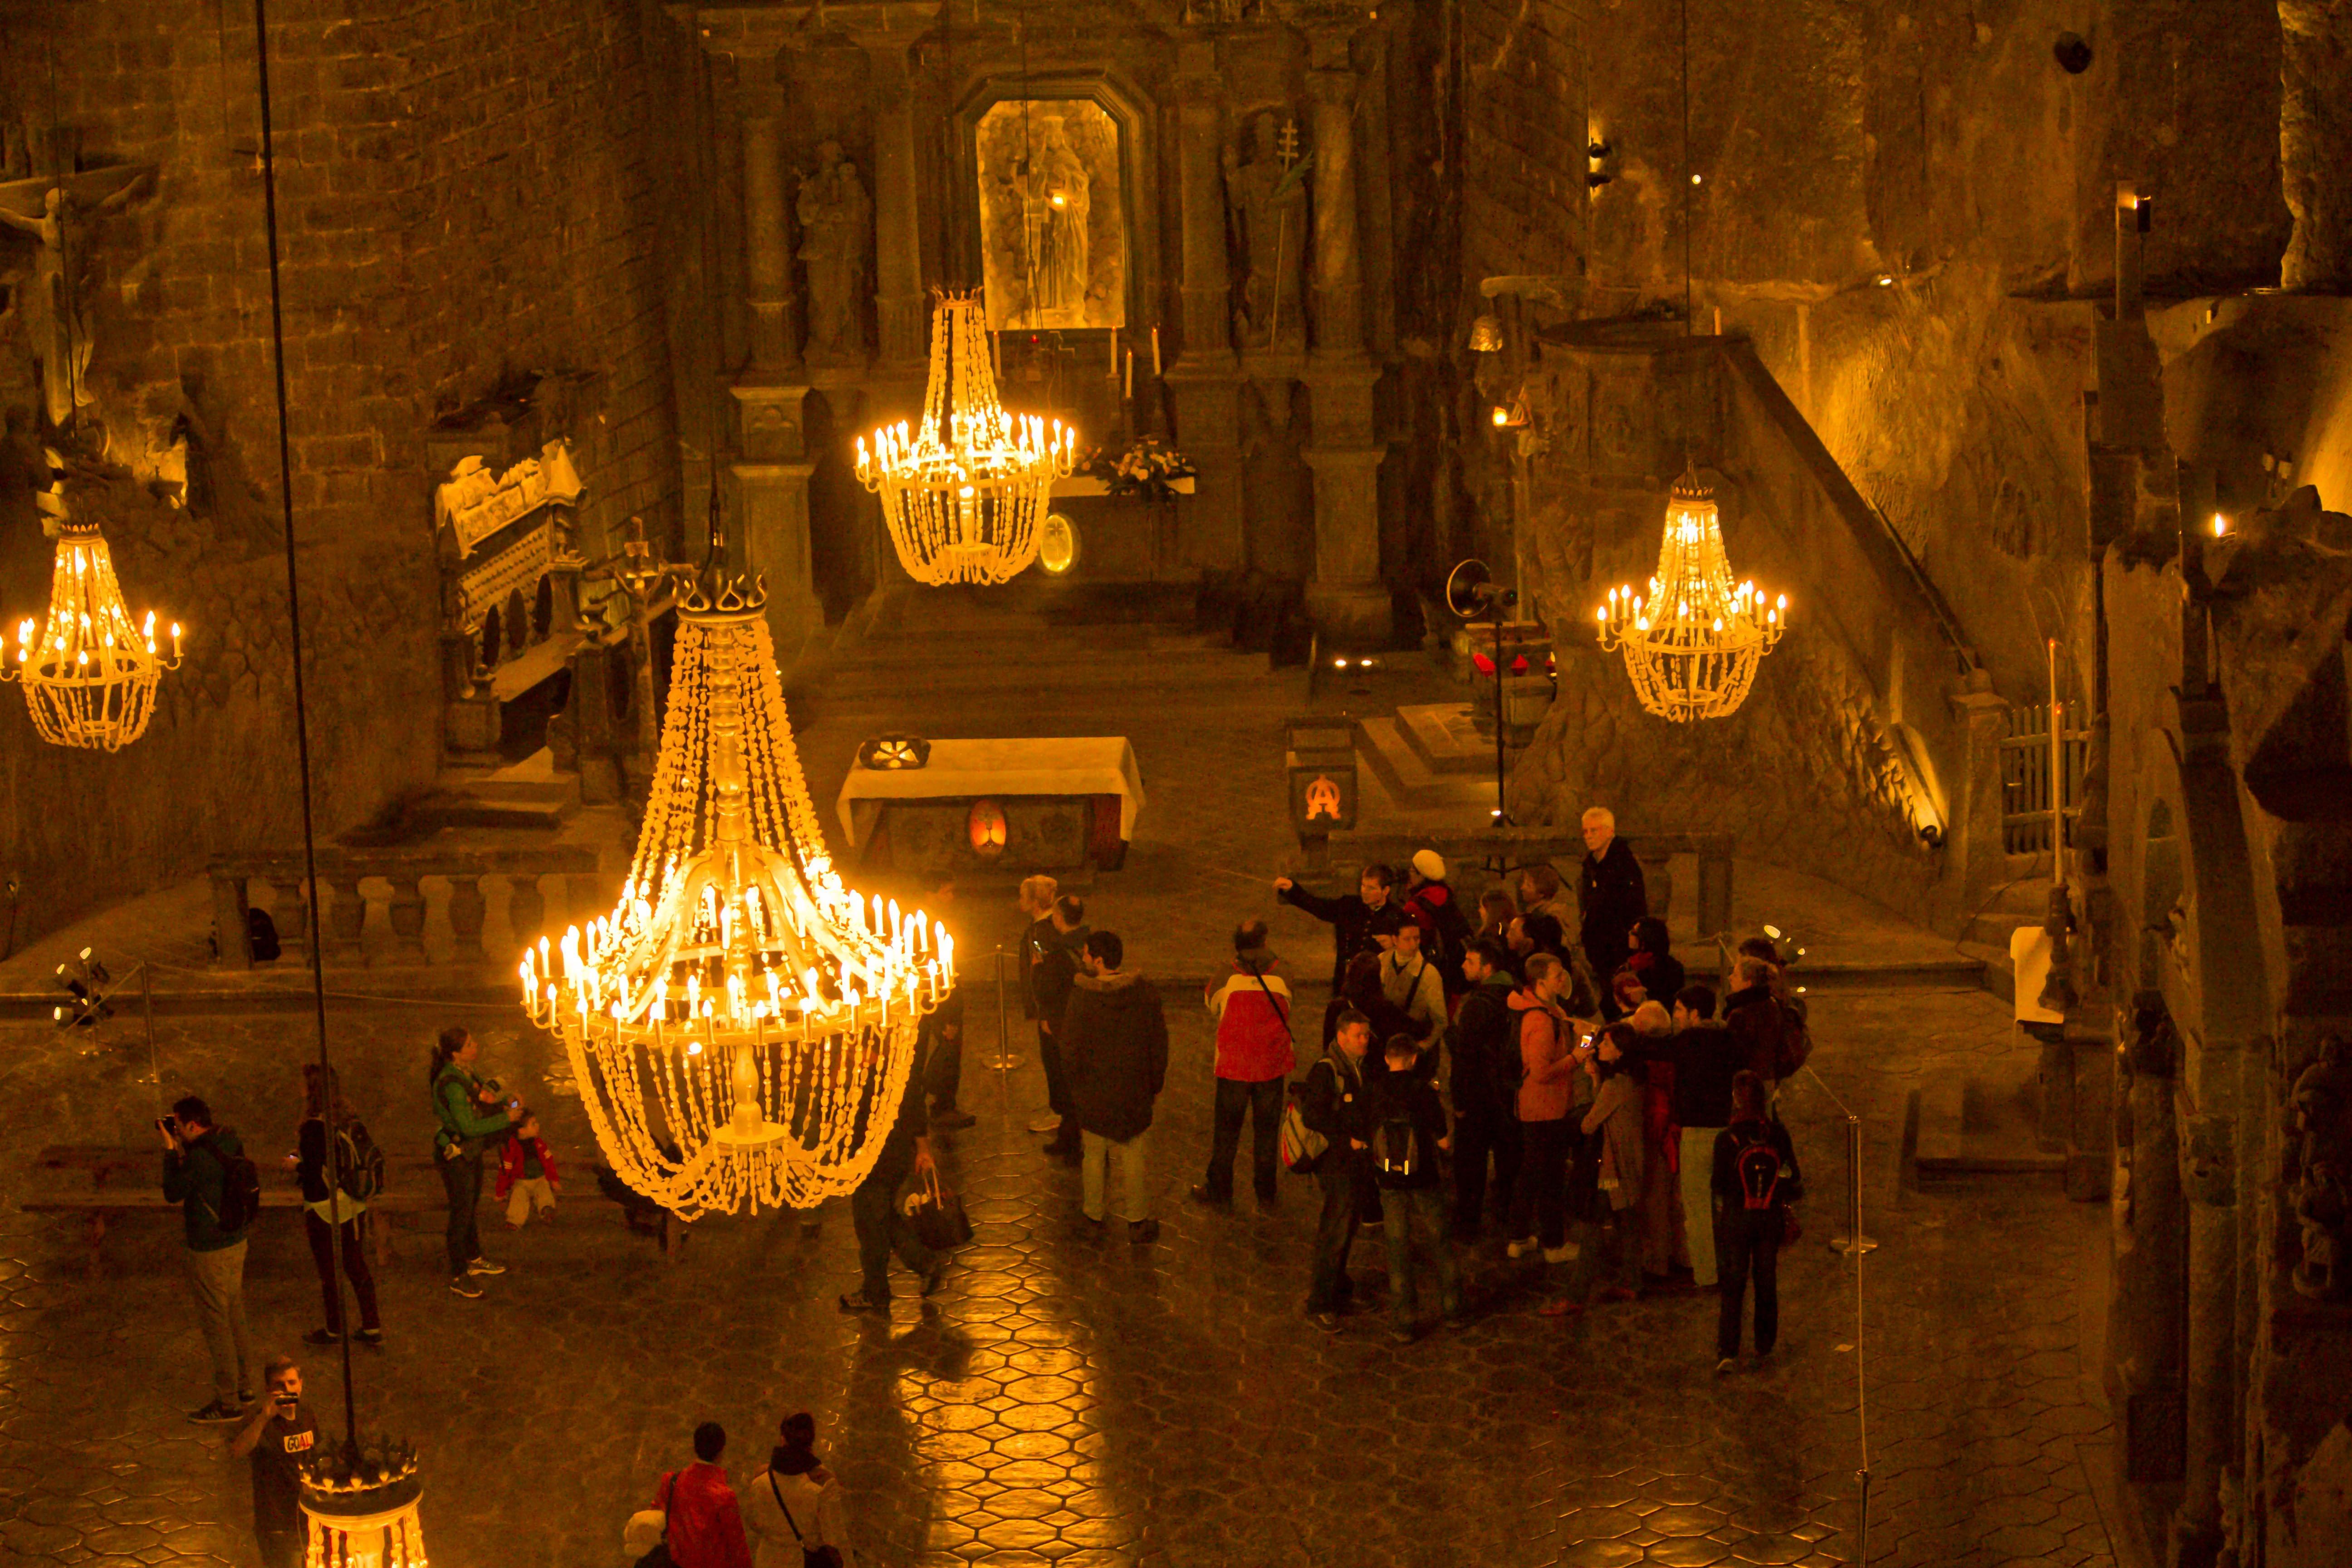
471	1122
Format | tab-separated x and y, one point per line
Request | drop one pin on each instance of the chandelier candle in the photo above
1693	643
964	491
741	1025
89	675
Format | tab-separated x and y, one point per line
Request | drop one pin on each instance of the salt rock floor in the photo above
1064	1399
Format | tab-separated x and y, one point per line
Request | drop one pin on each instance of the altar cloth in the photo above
1035	765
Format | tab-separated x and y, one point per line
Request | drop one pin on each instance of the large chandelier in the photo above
965	491
741	1025
1693	643
89	673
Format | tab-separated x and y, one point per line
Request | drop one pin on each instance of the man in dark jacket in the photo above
1050	981
1752	1014
1408	1126
875	1212
1611	893
1114	1039
1360	922
1704	1057
196	1177
1332	1103
1486	1089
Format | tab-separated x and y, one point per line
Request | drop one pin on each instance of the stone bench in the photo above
404	869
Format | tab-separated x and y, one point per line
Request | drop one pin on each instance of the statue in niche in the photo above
1053	187
834	212
1268	199
52	294
1052	226
2322	1104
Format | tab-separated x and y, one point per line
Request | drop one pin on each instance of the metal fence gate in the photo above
2025	777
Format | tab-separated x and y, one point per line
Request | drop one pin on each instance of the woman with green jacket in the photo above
472	1123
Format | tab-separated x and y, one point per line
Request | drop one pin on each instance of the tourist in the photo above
1331	1102
1497	911
1361	921
1658	1211
704	1526
1487	1070
941	1048
1616	1119
1610	892
1430	904
1361	992
1627	993
1755	1178
1115	1049
1546	1091
877	1216
794	1510
471	1120
1051	977
197	1161
1752	1014
277	1438
1705	1059
331	1217
1037	896
1254	1058
1541	892
1411	984
1652	961
527	1174
1408	1130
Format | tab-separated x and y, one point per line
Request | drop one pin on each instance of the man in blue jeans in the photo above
196	1177
1408	1130
1332	1103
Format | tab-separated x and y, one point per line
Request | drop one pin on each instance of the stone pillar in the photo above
1208	430
1345	597
1208	283
2150	1222
772	483
1339	263
2209	1177
2314	142
767	240
897	237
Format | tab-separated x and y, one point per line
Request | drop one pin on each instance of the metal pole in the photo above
1846	1241
1502	802
147	1006
1004	1061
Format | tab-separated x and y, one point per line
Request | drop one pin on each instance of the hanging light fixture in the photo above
741	1025
1693	643
964	493
89	672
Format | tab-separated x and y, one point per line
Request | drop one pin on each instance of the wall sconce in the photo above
1486	335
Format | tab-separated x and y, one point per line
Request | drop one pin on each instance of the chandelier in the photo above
89	674
1693	645
965	491
741	1025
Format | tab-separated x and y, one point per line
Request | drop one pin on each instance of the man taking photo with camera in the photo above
278	1437
206	1173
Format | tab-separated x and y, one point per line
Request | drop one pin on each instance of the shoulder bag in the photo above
811	1556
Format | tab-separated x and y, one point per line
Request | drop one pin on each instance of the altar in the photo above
1024	805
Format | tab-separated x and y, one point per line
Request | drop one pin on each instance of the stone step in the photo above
1405	773
1952	1128
530	794
1958	972
1445	739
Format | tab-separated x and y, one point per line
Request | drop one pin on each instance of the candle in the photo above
1114	354
1155	354
1129	392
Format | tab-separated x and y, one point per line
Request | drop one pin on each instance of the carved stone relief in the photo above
1052	225
1267	199
2319	1196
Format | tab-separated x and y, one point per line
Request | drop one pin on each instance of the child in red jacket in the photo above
527	1177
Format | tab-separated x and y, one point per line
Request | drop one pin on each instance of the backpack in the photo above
359	1164
1302	1147
1756	1167
1796	1042
1396	1148
261	935
240	1203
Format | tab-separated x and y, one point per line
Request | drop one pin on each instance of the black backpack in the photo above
240	1203
1756	1167
357	1164
261	935
1396	1148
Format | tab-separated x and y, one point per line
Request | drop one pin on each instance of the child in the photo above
527	1177
1408	1128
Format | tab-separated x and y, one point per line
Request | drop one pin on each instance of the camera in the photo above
169	1125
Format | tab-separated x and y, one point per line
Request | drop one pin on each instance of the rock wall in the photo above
463	199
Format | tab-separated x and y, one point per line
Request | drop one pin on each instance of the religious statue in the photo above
1051	231
1053	185
834	212
1268	198
2322	1103
52	294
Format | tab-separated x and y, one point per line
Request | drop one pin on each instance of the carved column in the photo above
1338	264
767	238
1347	598
1207	291
897	246
771	495
2315	139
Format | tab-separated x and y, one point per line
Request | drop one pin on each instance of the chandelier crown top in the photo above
1691	489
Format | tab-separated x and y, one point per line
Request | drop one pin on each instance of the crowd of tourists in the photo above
1603	1120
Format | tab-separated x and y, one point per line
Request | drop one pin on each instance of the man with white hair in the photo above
1610	892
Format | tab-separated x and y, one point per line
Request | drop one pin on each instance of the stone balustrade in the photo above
456	872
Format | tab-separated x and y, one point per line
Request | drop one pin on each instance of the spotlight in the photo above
1698	179
2221	525
1886	280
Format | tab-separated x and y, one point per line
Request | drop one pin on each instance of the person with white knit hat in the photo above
1429	904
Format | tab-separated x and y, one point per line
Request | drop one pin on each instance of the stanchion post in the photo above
1004	1060
1846	1241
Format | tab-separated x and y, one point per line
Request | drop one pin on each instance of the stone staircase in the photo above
528	793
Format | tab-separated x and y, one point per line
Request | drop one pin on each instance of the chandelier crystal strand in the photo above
740	1032
89	672
964	492
1693	643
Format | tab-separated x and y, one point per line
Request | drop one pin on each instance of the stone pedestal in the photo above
1207	399
1345	597
771	495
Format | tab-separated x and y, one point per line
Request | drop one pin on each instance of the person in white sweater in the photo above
794	1510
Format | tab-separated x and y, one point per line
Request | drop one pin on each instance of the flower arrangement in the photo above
1146	468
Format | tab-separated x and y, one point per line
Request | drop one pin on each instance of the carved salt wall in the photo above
462	196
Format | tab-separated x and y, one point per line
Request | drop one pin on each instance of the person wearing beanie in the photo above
1429	904
795	1511
1254	1058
